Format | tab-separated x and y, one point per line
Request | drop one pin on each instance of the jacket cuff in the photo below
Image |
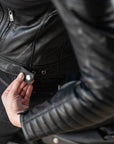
32	129
26	128
51	117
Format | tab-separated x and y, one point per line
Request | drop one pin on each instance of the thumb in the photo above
17	83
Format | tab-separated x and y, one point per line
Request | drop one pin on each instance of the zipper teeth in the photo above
2	13
4	20
10	19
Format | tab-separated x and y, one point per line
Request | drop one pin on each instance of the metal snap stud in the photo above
28	77
43	72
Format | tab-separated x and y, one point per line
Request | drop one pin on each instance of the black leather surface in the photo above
77	107
36	38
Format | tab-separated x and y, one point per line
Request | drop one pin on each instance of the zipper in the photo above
9	20
2	16
3	20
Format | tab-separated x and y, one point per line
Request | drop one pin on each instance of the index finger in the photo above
16	83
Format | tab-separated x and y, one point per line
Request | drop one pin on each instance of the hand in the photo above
16	99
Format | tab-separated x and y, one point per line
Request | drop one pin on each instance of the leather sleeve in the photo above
91	101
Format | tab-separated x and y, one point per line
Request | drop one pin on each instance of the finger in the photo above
23	85
26	98
17	83
32	82
29	91
23	92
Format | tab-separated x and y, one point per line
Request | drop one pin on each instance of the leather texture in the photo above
33	37
83	104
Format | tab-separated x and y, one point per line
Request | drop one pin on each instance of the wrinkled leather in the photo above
36	38
83	104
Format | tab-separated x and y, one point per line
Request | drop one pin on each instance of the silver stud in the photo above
43	72
55	140
28	77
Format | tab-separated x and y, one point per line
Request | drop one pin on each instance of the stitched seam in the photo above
38	34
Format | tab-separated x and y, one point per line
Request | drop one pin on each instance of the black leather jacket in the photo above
90	101
33	39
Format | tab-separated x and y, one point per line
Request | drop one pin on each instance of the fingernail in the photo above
21	75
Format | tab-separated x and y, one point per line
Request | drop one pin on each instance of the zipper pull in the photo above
11	16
